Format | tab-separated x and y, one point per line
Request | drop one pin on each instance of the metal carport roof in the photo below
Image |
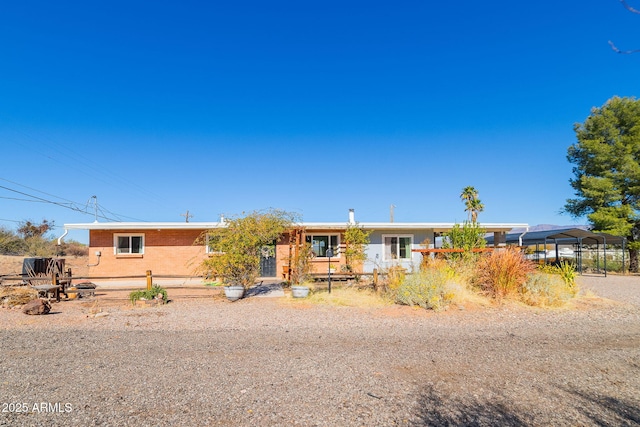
560	236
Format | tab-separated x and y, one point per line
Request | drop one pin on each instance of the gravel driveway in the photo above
271	362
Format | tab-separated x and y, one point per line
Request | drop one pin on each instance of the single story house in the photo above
120	249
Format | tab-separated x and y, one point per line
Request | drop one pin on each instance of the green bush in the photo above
148	294
614	262
426	288
469	236
237	247
543	289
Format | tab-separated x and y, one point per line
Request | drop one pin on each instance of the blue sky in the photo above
161	107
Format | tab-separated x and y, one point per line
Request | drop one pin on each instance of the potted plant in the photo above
300	271
332	268
237	248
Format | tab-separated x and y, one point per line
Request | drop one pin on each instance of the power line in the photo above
33	189
69	205
81	163
21	200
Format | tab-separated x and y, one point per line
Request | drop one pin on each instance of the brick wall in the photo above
172	252
166	252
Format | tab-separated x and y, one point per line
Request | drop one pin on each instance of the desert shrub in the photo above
38	246
73	248
237	247
593	261
565	269
356	240
148	294
11	243
301	265
502	273
396	274
544	289
464	268
614	265
427	288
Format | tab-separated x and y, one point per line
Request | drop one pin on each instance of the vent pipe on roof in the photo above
352	216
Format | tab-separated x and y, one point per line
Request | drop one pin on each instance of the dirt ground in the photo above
12	265
202	360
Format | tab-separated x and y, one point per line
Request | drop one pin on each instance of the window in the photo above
397	247
321	242
129	243
208	246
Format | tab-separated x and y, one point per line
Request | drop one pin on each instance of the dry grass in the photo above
463	295
547	290
344	297
16	295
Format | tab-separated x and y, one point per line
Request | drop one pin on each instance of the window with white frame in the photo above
129	243
209	245
397	247
320	243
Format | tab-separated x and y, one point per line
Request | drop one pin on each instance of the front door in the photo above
268	261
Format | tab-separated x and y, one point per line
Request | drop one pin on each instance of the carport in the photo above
568	236
585	237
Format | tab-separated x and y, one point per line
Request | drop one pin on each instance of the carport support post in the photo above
149	280
604	244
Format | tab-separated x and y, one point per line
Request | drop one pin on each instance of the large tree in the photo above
607	171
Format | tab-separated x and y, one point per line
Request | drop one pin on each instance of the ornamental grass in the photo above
502	273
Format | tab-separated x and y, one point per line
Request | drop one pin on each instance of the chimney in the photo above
221	218
352	216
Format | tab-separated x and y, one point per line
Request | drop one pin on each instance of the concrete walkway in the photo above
266	289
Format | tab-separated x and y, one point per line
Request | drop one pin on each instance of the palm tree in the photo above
476	207
469	195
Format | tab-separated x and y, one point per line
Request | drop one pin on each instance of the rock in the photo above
36	306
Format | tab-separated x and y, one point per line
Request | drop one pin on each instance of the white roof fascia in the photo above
143	226
435	226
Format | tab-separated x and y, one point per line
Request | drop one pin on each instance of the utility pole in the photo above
186	216
95	207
